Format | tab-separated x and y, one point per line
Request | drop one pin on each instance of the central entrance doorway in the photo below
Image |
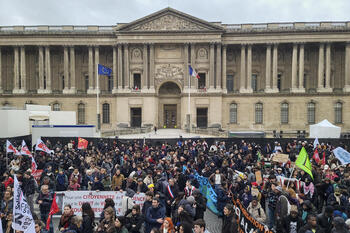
169	108
170	115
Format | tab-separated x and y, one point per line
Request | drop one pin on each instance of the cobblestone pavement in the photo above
213	223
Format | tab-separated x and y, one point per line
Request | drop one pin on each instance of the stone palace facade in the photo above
257	77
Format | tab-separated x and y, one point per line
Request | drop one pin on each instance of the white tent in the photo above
324	129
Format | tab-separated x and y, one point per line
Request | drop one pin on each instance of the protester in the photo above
88	218
270	191
119	225
65	220
135	221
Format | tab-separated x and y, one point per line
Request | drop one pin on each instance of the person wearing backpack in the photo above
256	211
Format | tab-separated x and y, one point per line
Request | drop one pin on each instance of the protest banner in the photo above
22	217
342	155
97	200
37	174
246	223
280	158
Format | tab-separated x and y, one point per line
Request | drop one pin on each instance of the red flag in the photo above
40	145
24	149
54	209
10	148
82	143
324	158
316	157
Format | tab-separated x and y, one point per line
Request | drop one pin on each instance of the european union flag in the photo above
103	70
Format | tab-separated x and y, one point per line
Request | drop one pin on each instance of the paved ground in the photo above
164	133
213	223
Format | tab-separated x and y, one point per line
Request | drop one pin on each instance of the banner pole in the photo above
189	104
291	174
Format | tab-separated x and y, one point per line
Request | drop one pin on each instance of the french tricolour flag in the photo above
192	72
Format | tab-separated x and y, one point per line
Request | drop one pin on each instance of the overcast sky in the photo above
110	12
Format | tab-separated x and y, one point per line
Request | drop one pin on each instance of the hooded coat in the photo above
257	212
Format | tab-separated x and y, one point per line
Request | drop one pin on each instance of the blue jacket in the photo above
152	214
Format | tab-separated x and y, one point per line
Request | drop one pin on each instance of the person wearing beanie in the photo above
339	226
325	219
292	222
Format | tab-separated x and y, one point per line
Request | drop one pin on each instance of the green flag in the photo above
303	162
259	155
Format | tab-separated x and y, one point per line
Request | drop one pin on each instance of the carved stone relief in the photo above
202	54
168	23
169	72
136	54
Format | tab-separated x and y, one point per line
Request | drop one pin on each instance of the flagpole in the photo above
98	101
189	104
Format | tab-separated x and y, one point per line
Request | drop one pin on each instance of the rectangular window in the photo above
86	82
279	82
201	81
338	113
110	83
137	81
258	113
202	117
284	113
136	117
229	83
311	113
105	113
81	114
255	82
233	113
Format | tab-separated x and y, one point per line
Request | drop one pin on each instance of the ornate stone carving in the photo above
168	23
169	71
202	54
136	54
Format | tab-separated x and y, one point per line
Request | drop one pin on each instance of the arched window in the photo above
259	113
56	107
284	113
338	110
233	113
81	113
311	116
105	113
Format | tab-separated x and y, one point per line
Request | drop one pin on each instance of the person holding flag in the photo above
29	187
22	216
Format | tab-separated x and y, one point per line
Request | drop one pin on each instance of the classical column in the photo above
328	68
218	66
72	88
294	68
23	70
211	66
187	80
115	71
194	83
144	82
120	67
249	70
242	88
301	68
274	68
48	69
91	89
224	75
97	60
66	70
268	69
1	89
151	67
126	67
41	70
16	71
347	68
320	77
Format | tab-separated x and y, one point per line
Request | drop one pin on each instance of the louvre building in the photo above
257	77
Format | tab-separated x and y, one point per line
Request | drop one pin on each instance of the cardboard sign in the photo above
258	177
280	158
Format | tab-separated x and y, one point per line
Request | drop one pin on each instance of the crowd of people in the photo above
284	198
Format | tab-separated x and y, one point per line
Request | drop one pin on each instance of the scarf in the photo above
65	219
